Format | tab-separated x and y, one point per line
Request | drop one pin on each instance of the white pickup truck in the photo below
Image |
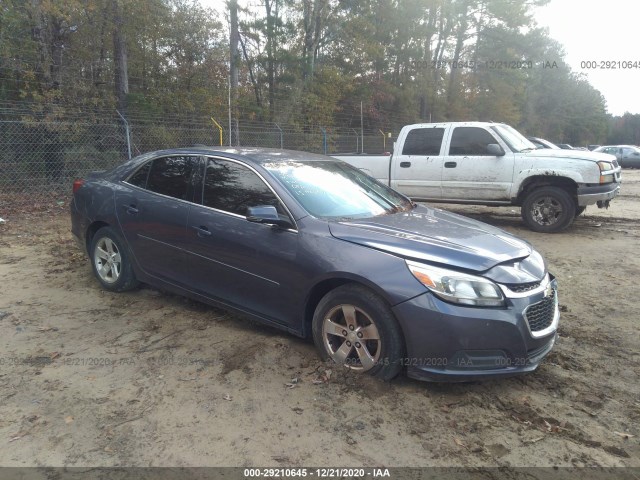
493	164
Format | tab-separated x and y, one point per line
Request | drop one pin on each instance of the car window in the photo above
231	187
423	141
139	178
333	189
470	141
627	152
171	175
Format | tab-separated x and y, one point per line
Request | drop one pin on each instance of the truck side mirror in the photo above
495	150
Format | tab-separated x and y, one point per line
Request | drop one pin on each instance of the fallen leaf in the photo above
624	435
458	442
68	419
227	397
54	355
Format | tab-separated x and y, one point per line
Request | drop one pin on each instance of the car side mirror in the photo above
266	214
495	149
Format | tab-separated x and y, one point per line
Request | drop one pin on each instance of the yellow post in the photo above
219	128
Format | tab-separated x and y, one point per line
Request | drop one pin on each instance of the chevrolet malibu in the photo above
314	246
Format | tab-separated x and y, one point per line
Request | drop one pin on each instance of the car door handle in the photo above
131	209
202	231
450	164
405	164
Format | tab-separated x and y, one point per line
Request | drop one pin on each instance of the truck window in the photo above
423	141
467	141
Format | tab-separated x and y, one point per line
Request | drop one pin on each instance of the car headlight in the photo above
606	172
457	287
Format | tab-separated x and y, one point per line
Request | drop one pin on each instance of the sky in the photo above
594	32
600	32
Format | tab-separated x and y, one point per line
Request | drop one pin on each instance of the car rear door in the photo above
470	172
416	170
247	265
152	208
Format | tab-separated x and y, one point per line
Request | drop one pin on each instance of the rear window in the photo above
423	141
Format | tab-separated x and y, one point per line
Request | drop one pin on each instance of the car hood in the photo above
435	236
571	154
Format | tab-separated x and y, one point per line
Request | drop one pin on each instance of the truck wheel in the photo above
548	209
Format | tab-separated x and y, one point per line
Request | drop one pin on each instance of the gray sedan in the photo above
628	155
314	246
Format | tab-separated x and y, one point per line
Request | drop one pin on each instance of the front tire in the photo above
354	327
548	209
110	261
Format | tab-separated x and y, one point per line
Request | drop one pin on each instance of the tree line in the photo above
300	63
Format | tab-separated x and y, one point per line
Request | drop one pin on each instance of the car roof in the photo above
256	154
618	146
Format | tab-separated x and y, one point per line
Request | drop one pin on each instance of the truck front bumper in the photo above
600	194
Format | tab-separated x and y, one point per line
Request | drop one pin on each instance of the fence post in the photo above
219	128
281	137
357	140
126	127
324	140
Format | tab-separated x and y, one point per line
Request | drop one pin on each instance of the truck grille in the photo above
615	164
540	315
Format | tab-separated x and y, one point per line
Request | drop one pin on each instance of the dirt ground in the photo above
91	378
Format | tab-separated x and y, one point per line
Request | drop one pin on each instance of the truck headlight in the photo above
606	172
457	287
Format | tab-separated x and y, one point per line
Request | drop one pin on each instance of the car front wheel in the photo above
110	261
548	209
354	327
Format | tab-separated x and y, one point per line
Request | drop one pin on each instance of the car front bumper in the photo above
447	342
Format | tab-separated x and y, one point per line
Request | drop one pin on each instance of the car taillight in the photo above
77	184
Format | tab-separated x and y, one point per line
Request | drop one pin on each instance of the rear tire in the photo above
110	261
548	209
354	327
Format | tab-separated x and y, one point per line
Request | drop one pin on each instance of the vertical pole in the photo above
361	129
357	140
281	137
230	131
128	132
324	140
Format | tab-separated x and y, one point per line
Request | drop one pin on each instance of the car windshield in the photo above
336	190
516	141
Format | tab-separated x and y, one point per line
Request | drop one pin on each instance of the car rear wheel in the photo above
548	209
354	327
110	261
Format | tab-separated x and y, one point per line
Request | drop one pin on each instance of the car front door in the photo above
470	172
152	208
247	265
416	171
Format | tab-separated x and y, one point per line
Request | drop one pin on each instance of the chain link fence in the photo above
40	157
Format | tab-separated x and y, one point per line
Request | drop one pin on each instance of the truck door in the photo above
470	172
416	170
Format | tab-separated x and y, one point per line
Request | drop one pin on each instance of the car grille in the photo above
522	287
615	164
540	315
